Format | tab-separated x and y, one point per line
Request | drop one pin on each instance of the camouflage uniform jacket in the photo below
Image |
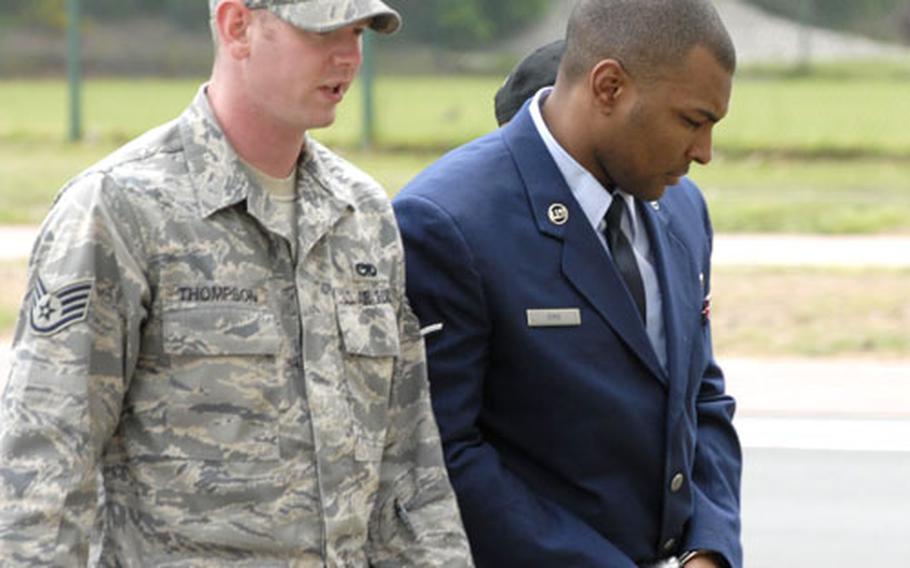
243	409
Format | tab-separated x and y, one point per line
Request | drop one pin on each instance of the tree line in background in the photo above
453	23
53	13
469	23
885	19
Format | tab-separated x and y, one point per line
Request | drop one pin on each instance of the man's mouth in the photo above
335	91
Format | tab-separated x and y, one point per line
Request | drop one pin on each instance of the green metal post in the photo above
807	9
368	135
74	70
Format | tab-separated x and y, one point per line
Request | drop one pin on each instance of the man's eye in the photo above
691	123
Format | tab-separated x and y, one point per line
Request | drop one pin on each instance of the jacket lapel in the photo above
584	262
675	276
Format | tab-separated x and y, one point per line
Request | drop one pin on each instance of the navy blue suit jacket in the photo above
563	442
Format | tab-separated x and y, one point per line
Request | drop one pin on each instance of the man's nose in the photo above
348	51
701	149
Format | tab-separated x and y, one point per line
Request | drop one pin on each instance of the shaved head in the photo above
646	36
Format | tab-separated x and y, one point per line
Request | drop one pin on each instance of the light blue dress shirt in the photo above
594	200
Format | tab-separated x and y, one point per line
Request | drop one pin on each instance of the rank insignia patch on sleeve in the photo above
61	308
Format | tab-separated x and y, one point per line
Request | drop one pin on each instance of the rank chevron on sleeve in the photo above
61	308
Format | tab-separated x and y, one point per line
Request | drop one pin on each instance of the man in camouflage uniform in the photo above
241	367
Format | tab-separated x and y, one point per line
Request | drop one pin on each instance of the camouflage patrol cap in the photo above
327	15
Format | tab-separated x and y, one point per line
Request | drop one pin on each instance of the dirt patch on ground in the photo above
811	312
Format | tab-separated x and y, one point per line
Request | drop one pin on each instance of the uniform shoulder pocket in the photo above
368	322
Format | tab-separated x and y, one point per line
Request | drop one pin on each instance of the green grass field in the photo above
826	152
815	196
825	115
818	117
752	195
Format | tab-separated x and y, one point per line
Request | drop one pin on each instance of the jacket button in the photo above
677	482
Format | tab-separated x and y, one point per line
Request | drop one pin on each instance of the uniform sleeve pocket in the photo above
369	330
220	330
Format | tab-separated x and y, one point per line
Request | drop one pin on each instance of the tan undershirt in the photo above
283	193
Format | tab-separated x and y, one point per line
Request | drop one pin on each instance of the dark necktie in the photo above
623	255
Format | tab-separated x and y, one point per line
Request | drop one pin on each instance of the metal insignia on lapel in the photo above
558	213
655	205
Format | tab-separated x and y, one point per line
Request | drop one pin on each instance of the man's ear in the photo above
233	21
607	82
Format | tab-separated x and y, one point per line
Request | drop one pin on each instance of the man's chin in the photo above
321	122
651	193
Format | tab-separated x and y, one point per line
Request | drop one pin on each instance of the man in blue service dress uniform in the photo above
560	268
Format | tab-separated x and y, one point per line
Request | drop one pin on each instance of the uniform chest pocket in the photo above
370	348
219	389
220	331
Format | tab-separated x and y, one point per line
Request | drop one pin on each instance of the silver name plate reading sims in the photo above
554	318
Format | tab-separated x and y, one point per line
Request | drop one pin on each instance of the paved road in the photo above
16	241
822	388
825	509
812	251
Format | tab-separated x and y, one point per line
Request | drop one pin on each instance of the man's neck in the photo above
257	138
565	119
